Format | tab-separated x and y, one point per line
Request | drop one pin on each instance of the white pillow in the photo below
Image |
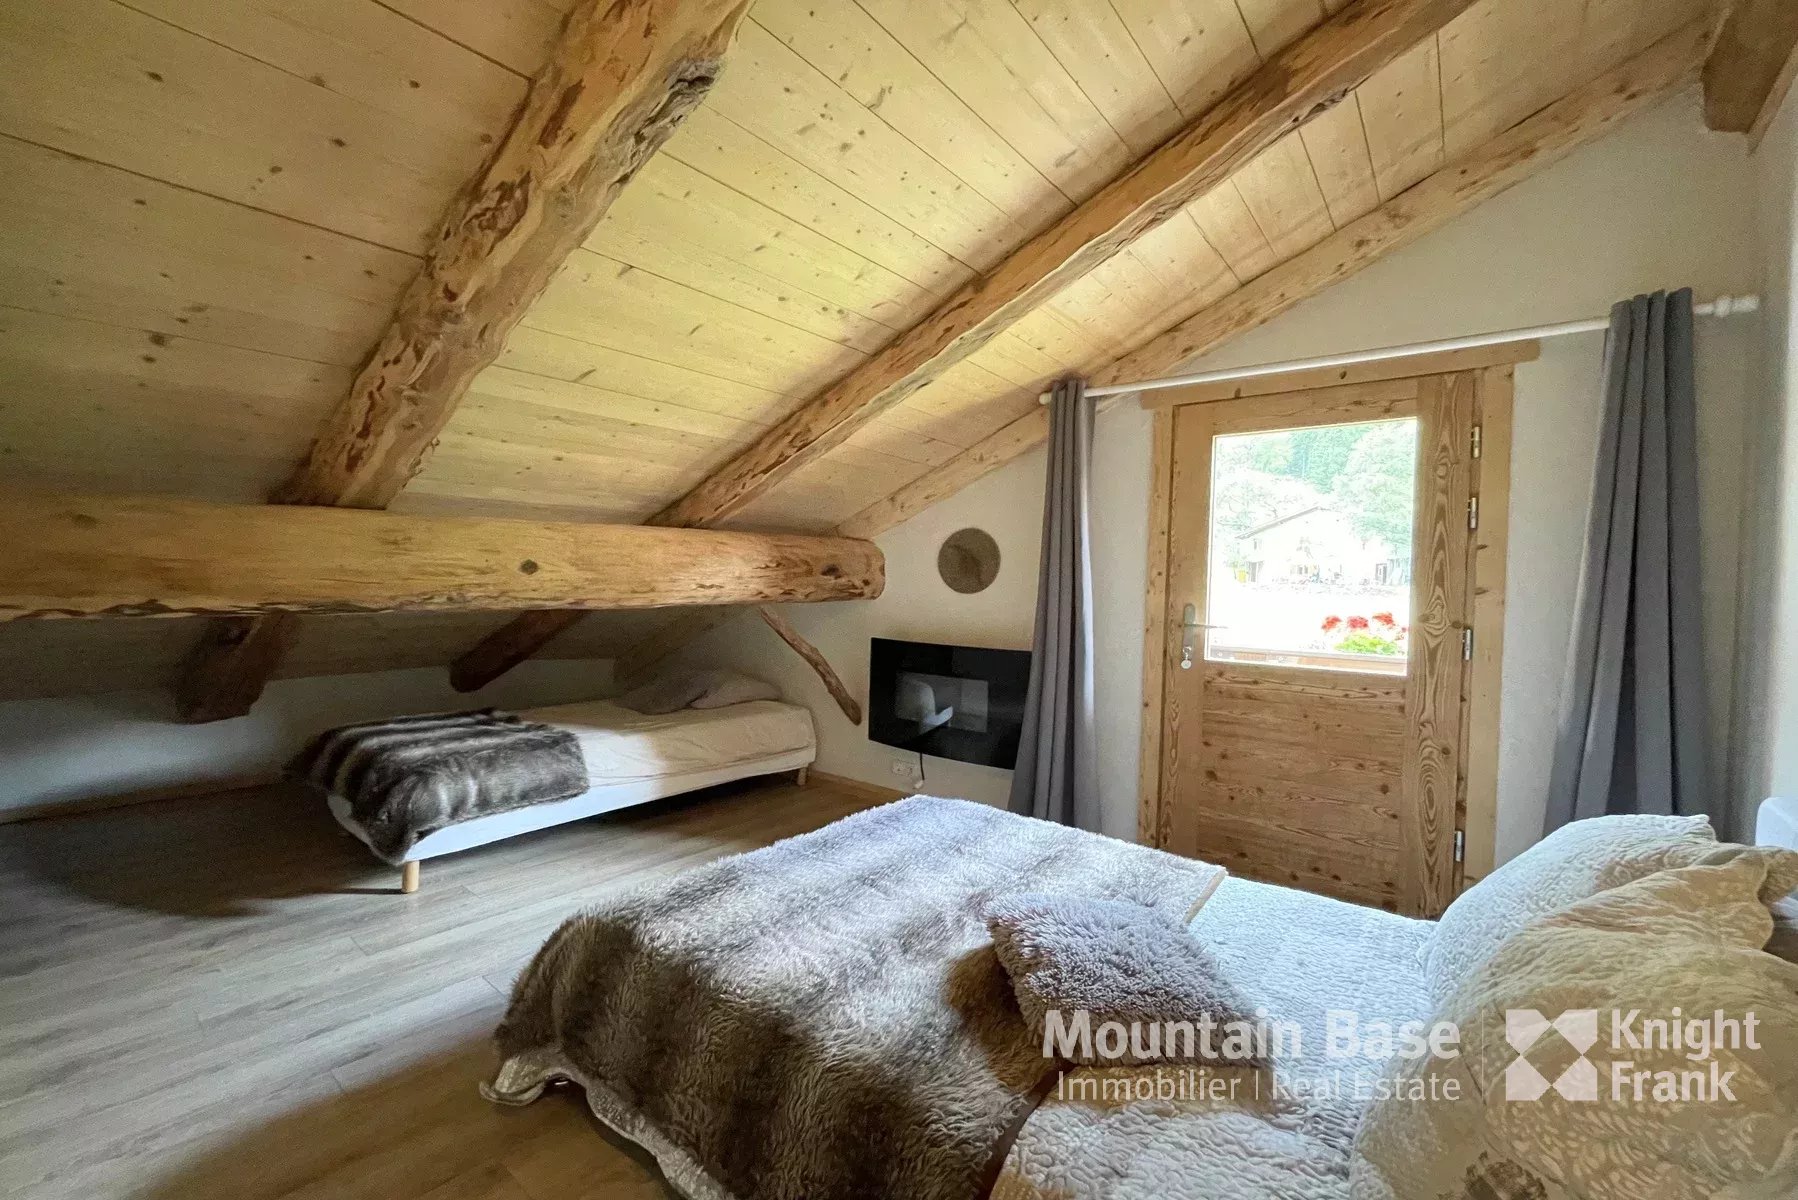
695	689
1574	862
1537	1110
665	693
728	687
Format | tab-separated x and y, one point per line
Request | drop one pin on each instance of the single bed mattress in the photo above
621	746
581	759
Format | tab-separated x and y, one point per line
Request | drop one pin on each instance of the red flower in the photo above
1332	624
1357	623
1385	618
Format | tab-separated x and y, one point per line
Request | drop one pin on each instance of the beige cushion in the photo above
1123	963
1575	861
1684	940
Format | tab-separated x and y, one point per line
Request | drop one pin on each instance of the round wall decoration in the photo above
968	561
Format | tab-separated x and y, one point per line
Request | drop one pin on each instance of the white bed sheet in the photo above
621	746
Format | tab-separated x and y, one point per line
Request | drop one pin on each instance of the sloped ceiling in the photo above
213	204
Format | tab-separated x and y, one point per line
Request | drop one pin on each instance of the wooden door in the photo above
1316	685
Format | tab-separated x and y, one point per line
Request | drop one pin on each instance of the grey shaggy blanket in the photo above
823	1019
410	776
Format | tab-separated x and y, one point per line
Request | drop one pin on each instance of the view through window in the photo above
1311	533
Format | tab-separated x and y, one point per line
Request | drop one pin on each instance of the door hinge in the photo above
1473	512
1460	845
1467	644
1476	441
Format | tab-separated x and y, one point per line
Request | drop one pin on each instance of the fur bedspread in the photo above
411	776
824	1018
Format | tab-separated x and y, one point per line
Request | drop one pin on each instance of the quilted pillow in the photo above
1575	861
1120	963
1561	1090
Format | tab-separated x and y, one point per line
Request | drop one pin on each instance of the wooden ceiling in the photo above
215	204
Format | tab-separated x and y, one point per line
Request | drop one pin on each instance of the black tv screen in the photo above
960	702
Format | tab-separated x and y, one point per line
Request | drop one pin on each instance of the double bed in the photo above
618	758
827	1018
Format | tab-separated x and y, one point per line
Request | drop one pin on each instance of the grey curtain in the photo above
1057	776
1632	730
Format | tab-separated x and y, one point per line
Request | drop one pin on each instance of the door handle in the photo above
1189	624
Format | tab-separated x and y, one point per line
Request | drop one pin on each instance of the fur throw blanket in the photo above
411	776
823	1019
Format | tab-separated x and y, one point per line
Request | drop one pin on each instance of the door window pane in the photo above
1311	533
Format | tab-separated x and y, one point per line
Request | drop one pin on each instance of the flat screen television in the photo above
960	702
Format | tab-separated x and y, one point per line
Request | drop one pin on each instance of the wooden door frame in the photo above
1493	370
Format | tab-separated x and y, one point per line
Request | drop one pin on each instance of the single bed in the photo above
629	758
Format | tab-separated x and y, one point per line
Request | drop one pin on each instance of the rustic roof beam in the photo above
622	78
814	658
152	556
619	81
1751	67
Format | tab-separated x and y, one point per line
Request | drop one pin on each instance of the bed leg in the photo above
409	877
799	777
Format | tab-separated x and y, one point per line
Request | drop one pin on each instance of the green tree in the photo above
1319	454
1376	487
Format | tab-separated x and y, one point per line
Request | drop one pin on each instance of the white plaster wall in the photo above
1766	745
1660	203
916	606
89	746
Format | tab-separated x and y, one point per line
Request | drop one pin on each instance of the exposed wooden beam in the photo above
1578	119
510	645
833	683
231	664
1751	67
620	80
1296	84
72	556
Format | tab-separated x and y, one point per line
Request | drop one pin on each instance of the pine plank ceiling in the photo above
212	206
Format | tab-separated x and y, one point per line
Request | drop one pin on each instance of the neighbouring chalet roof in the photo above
1279	521
212	210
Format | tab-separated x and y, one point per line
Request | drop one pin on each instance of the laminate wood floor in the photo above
227	998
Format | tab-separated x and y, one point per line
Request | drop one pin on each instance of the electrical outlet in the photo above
903	769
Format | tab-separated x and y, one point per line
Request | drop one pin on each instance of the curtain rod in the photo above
1722	306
